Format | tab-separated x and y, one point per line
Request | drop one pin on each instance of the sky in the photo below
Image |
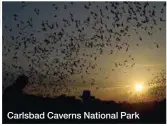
138	36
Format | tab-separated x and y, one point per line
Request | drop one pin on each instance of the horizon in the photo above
116	50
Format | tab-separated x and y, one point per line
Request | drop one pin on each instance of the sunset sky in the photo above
110	79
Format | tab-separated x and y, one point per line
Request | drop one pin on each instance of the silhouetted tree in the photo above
12	95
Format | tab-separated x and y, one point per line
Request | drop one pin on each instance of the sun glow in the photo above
139	87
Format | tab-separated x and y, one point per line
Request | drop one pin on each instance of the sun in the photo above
139	87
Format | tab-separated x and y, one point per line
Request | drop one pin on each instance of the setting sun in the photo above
139	87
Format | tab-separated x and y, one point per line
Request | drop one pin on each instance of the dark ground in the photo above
15	101
150	112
